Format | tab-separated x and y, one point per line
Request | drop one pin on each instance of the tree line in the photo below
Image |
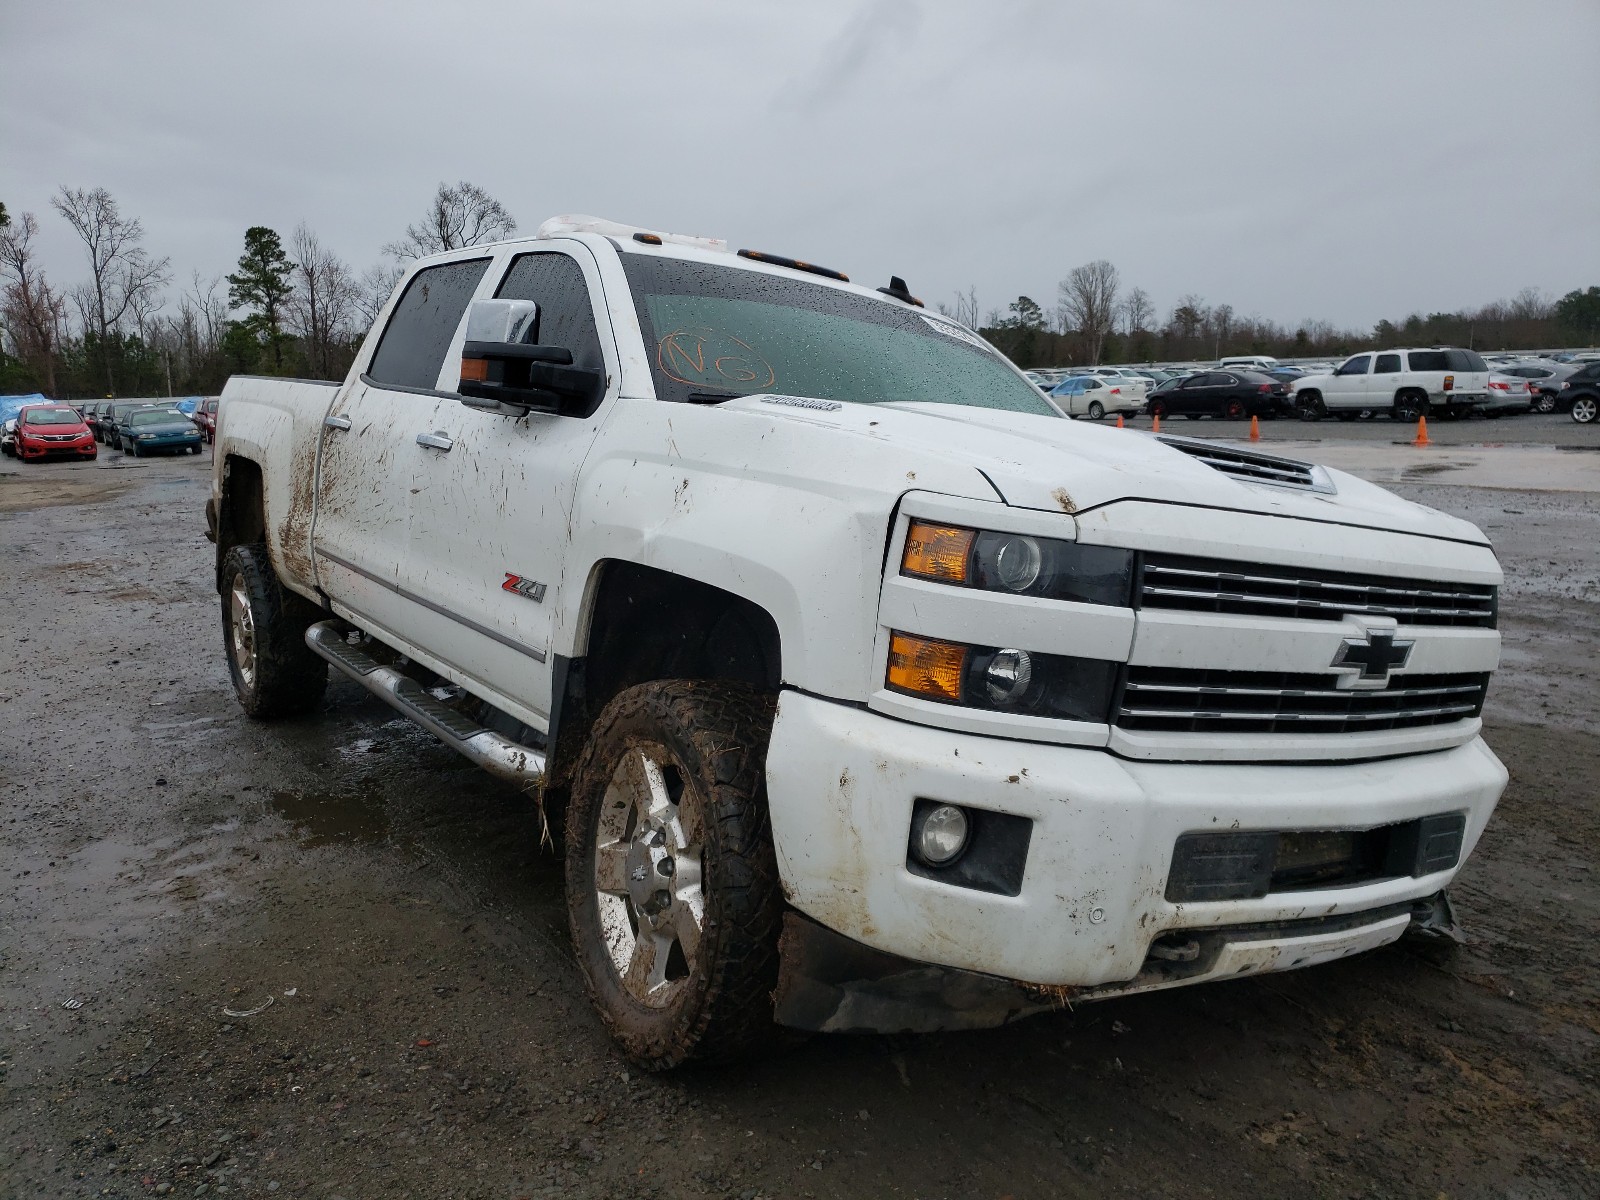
294	309
1094	321
298	309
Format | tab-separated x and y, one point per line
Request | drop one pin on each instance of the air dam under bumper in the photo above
843	782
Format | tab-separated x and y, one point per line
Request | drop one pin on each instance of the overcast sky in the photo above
1338	160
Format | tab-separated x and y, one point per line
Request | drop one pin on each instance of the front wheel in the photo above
263	630
672	881
1311	407
1158	409
1096	410
1544	404
1584	409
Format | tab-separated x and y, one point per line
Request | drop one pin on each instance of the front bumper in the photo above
82	448
843	783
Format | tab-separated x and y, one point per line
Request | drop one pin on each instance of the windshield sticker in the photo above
710	358
804	402
959	332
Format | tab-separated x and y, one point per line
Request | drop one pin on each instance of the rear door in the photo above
369	453
491	513
1384	381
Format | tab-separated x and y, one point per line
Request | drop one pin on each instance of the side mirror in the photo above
503	369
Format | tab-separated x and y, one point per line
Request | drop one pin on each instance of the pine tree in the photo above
262	284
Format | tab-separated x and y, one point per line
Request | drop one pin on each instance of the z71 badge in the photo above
523	587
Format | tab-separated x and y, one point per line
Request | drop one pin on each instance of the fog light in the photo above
942	835
1008	675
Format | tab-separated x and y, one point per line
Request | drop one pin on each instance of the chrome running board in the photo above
495	753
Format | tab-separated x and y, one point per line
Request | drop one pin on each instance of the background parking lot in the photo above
168	863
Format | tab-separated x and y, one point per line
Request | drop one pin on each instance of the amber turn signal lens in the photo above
927	668
475	369
937	552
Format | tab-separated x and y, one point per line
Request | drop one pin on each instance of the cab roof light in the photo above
779	260
898	289
649	239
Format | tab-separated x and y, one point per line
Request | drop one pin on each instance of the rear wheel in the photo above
1096	410
1408	406
672	881
1233	410
263	628
1584	409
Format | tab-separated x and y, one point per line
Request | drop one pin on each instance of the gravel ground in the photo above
166	862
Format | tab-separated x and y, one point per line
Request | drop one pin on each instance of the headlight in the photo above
1020	564
147	437
1002	679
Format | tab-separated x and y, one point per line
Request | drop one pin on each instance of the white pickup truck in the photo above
869	693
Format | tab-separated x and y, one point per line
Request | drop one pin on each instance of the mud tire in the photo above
287	678
717	734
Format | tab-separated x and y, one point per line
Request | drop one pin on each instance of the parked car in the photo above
1248	362
1231	394
52	431
1507	394
142	431
1124	375
205	417
8	438
1407	384
1580	393
1026	710
1544	380
1093	397
105	429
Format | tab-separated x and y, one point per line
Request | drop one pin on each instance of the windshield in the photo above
51	416
722	331
159	416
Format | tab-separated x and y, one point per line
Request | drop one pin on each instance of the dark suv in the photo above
1580	393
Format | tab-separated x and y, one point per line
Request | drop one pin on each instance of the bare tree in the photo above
1221	322
33	312
325	295
1137	311
1087	300
1530	304
373	290
123	273
464	215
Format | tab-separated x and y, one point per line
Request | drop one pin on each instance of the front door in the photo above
1348	387
491	510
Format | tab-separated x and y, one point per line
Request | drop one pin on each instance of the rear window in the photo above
423	323
1464	360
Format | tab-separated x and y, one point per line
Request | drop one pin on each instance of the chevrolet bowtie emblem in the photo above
1376	654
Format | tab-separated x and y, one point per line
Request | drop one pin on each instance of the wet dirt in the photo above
162	858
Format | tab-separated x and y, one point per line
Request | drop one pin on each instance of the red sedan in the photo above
52	430
205	416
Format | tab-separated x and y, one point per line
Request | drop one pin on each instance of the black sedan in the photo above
1580	394
1231	394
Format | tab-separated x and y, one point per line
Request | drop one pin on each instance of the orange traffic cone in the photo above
1255	429
1155	426
1119	420
1422	433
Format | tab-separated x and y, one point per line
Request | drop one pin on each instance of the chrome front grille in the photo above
1175	700
1253	589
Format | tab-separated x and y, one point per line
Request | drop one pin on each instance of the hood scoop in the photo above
1251	467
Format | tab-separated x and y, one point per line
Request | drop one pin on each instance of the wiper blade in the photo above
712	397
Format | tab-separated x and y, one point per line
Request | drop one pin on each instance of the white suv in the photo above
1407	384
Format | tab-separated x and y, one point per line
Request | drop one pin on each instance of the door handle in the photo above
437	440
339	422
